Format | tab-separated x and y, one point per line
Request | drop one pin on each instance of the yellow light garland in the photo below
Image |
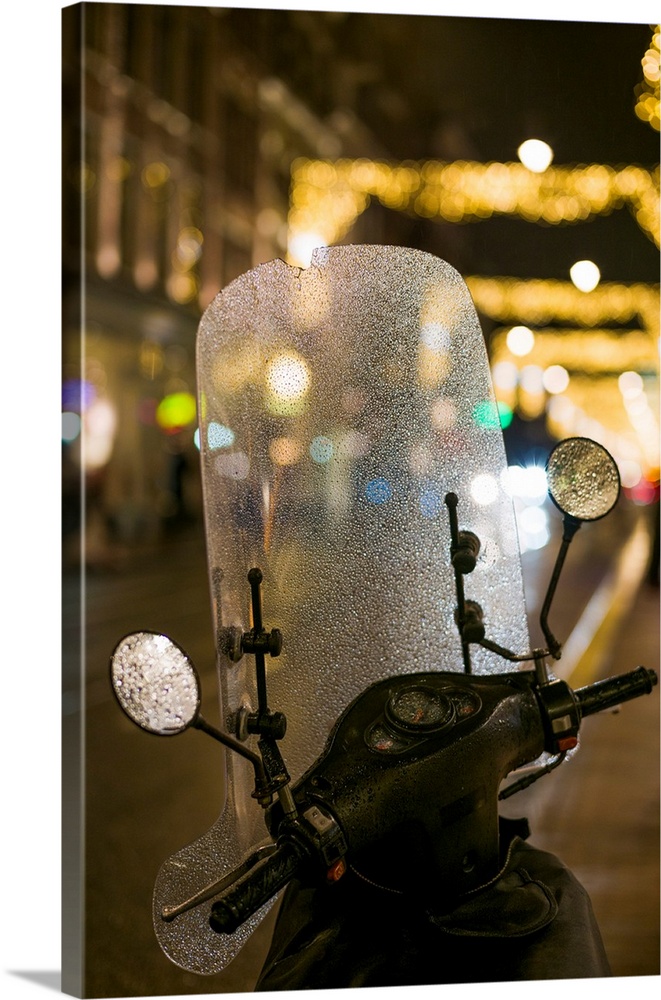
647	92
599	351
593	353
541	301
327	197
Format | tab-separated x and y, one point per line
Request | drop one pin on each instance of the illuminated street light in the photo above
287	384
535	155
301	247
288	376
520	340
555	379
585	275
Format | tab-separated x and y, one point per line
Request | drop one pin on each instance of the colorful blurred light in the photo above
505	375
630	384
532	379
71	425
526	483
431	502
98	434
485	415
378	491
219	436
285	451
77	395
630	473
505	414
647	91
176	410
327	197
533	528
321	450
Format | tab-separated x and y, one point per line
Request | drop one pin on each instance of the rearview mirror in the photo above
155	683
583	479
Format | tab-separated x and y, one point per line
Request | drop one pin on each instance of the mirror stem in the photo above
570	527
261	795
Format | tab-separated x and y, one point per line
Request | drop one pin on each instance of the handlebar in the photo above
245	896
315	838
610	692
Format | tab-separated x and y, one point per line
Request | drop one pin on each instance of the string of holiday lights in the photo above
327	197
647	91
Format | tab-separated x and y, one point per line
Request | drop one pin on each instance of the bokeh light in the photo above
630	473
321	450
219	436
535	154
520	340
285	450
301	247
431	502
378	491
77	395
505	414
485	415
526	483
532	379
71	425
287	382
176	410
555	379
443	414
533	528
328	197
505	375
99	428
232	464
585	275
484	489
630	384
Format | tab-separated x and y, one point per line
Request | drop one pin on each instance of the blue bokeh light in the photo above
378	490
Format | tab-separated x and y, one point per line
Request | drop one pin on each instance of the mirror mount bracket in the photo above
570	527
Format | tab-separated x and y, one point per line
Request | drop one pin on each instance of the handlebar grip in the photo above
614	690
245	896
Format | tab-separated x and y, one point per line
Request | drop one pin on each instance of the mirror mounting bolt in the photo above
273	725
262	642
464	554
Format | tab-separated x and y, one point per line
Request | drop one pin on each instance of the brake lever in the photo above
168	913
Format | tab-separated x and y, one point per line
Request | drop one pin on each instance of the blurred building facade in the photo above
178	143
181	128
177	148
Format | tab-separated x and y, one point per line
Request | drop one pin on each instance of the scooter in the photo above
398	868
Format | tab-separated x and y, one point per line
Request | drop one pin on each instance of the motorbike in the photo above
379	695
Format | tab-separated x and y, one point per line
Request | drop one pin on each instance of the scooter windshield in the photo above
339	405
